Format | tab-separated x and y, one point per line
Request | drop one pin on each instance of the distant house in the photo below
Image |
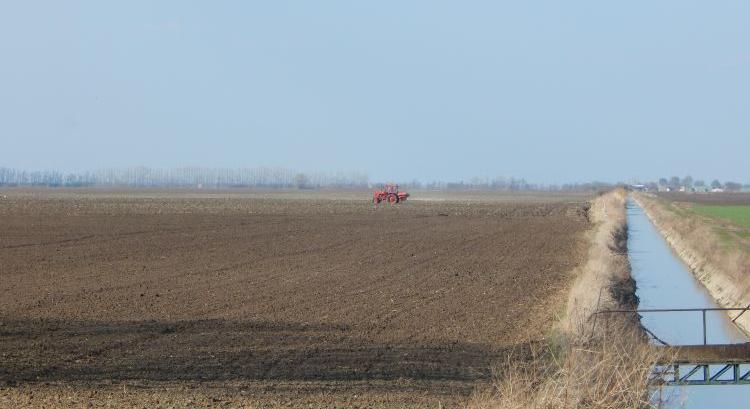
639	188
717	190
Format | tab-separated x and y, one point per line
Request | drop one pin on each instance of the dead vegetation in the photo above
610	371
594	361
603	281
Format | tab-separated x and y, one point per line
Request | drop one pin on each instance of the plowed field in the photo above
213	299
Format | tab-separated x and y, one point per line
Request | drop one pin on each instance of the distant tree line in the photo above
267	177
499	183
506	184
675	183
183	177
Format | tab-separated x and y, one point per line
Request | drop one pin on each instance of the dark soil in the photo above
178	301
708	198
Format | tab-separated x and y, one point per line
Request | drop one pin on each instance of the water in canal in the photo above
664	281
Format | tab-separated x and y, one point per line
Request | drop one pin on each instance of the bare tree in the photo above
687	181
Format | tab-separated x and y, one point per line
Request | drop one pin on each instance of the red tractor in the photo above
389	194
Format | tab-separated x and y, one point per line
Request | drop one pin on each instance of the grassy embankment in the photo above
591	362
714	240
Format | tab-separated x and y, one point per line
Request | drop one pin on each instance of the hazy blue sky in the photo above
551	91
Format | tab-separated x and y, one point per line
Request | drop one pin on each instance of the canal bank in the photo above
699	248
603	282
664	281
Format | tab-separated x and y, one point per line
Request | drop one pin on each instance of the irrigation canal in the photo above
664	282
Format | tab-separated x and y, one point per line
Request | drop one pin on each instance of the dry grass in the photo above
597	361
604	281
604	373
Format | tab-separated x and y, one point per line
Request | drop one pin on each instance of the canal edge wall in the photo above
705	268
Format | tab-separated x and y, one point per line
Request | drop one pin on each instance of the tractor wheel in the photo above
392	199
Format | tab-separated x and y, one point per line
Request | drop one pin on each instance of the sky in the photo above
552	91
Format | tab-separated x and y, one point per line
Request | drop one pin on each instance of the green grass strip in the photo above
736	214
